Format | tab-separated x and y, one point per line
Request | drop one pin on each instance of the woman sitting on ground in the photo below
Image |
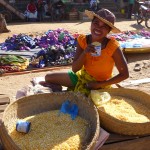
90	71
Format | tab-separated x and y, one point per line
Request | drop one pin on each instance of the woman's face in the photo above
99	29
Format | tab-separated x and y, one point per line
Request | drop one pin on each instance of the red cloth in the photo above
31	8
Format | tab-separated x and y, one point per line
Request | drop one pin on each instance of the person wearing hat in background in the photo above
90	72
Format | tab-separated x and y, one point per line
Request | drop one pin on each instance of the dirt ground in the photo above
10	84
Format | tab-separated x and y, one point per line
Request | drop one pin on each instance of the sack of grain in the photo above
99	98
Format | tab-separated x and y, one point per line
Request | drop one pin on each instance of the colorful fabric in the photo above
8	59
13	63
83	79
100	67
73	77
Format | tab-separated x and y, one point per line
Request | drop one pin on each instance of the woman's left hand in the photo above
93	85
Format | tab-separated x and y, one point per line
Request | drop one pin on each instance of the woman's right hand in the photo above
90	49
79	57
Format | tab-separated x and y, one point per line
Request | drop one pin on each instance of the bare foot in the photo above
43	83
54	87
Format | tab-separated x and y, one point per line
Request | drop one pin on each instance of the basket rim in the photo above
123	89
65	92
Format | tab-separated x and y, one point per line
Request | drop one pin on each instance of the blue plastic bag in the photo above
71	109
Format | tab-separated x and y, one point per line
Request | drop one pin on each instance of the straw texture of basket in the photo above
126	128
39	103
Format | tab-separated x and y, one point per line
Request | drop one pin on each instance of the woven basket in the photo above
127	128
39	103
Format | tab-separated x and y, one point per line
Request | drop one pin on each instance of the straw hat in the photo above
106	16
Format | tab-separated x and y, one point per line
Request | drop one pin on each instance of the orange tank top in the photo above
100	67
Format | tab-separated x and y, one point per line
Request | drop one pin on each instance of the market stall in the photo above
134	41
57	48
22	52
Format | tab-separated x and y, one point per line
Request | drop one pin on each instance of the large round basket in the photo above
126	128
39	103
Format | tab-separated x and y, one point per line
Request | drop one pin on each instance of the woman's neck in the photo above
99	40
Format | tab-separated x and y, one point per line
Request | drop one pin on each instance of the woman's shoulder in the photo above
112	46
113	42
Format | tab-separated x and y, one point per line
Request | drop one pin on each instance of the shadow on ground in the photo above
137	57
138	26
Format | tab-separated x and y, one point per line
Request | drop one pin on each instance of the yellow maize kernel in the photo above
126	109
50	131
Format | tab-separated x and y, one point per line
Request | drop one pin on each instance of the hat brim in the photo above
91	15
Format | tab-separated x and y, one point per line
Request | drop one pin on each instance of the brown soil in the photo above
10	84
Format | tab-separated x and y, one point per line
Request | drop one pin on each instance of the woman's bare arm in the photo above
79	57
123	74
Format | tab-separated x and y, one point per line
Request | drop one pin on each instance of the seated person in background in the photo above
31	11
58	8
40	10
47	8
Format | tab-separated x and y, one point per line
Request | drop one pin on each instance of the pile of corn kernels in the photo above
51	131
126	110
